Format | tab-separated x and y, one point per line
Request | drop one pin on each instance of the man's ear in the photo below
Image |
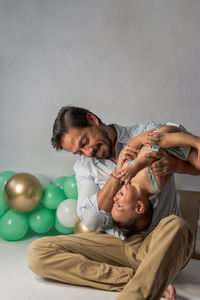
140	208
93	120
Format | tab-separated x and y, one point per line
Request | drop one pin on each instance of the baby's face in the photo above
124	204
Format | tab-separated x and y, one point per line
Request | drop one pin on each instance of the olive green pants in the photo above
138	268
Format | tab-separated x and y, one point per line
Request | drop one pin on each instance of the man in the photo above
137	267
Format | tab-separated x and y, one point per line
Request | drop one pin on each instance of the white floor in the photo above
17	282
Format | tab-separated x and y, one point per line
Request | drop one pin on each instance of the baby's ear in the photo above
140	208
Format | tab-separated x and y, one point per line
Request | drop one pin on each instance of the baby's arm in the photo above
141	162
146	138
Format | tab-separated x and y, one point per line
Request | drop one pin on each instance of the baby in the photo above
132	208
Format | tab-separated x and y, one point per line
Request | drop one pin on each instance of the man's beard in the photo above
107	153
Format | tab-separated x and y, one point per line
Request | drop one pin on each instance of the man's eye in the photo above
85	142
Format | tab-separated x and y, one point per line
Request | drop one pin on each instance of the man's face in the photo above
124	204
92	141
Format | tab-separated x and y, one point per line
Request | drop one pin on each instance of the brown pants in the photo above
139	268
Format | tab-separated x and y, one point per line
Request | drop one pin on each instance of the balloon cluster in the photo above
32	201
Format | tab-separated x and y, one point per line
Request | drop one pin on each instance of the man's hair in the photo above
68	117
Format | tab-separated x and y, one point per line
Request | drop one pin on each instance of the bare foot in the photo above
170	293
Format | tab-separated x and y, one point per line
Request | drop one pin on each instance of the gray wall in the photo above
129	61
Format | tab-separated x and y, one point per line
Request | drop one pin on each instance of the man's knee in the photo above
176	222
179	227
36	252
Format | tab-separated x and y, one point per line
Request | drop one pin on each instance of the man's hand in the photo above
125	155
164	164
167	164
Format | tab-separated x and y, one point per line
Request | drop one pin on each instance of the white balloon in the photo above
44	180
67	212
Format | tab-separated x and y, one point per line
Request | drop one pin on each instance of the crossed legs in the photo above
138	268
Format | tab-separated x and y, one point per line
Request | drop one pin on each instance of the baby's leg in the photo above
193	158
168	129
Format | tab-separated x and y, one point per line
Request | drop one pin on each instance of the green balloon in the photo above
4	176
53	196
41	219
13	226
60	181
70	188
3	205
62	229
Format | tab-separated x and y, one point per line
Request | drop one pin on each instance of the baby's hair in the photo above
139	222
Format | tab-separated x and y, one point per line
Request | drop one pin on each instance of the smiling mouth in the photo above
120	193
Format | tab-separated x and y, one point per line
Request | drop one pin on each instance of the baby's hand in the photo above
151	137
146	138
126	174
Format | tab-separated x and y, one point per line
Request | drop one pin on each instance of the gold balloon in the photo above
23	192
80	228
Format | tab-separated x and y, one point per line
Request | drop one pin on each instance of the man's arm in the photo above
94	205
105	195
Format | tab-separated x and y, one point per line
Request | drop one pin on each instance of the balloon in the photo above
41	219
66	212
3	205
45	181
4	176
70	187
60	181
80	228
52	196
23	192
13	226
63	229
